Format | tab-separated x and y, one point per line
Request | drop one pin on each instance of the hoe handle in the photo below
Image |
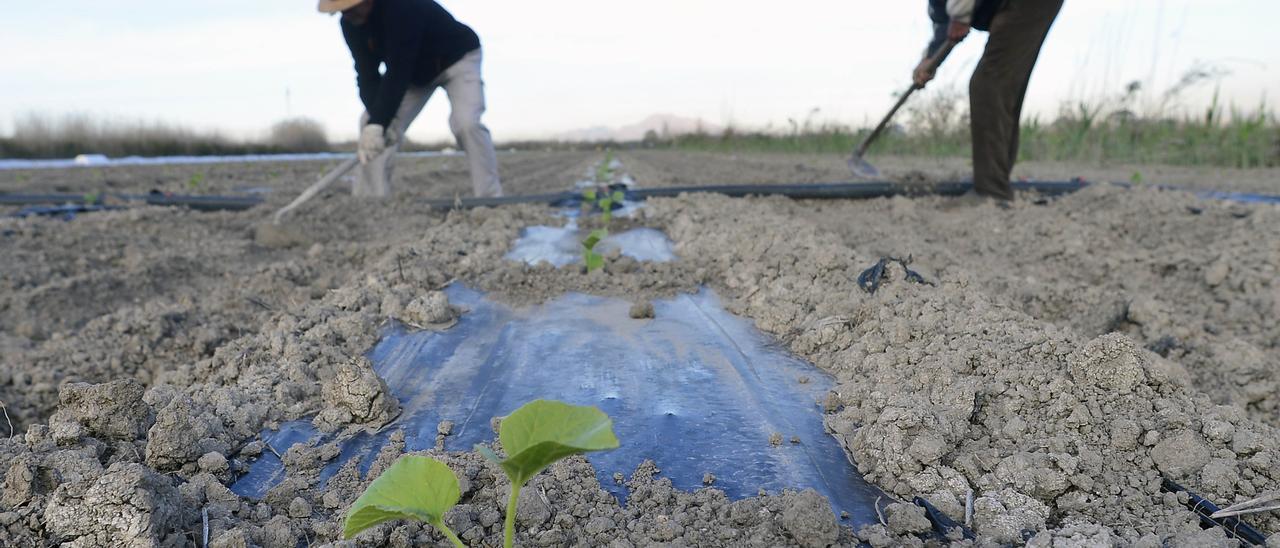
934	62
314	189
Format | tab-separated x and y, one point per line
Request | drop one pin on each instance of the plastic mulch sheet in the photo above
696	389
563	245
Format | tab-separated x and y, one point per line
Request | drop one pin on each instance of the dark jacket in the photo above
983	12
416	39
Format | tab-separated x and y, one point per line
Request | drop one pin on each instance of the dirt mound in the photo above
946	389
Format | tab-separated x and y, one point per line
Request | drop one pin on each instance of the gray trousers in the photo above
998	87
462	82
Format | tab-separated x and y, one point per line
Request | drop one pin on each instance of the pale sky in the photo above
240	65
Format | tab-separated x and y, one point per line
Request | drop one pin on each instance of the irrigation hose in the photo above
798	191
201	203
942	524
1205	509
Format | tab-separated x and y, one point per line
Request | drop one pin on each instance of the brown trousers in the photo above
998	86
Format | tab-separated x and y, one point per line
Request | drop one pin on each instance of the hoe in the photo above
860	166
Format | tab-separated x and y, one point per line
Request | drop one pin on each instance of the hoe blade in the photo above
862	169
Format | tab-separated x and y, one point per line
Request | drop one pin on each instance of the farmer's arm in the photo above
950	24
368	77
924	71
938	15
402	37
960	12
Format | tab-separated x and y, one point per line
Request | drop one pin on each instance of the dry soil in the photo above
1060	359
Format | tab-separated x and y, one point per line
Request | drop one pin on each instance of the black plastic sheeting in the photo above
695	389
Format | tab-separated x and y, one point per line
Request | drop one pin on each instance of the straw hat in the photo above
335	6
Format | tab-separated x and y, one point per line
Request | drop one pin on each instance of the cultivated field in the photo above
1063	358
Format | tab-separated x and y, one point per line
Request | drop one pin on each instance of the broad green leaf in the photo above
618	196
589	195
414	487
594	238
542	432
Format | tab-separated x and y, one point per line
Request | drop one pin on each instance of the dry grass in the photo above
1102	130
40	136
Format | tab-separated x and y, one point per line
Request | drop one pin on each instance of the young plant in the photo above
603	201
606	204
604	171
194	182
415	487
540	433
593	259
534	436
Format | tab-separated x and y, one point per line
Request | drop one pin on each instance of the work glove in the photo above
373	141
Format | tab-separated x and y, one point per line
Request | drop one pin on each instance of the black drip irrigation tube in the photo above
203	203
1205	509
944	527
196	202
798	191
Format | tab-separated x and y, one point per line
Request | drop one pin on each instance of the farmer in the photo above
1016	30
423	48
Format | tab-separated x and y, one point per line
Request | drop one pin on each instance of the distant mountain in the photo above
661	124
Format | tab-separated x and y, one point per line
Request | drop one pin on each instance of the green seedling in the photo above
593	259
604	173
90	198
415	487
194	182
540	433
606	204
534	437
1136	178
603	201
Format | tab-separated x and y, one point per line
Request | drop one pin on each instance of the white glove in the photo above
372	142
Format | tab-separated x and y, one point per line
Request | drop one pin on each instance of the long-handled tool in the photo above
860	166
314	189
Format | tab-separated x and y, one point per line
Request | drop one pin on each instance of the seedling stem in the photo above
509	530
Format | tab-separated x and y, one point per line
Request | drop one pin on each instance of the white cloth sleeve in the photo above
960	11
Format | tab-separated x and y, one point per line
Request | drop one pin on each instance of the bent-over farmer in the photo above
1016	30
423	48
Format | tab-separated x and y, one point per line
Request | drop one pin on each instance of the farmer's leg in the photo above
998	87
374	178
465	87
